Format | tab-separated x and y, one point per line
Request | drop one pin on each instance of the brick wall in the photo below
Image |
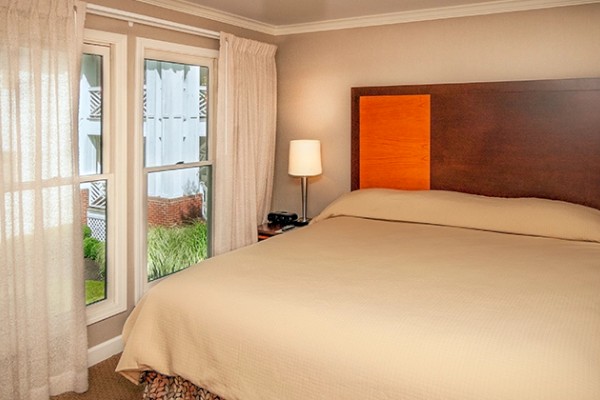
85	195
171	212
165	212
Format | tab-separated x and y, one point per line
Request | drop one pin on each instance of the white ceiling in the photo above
292	12
294	16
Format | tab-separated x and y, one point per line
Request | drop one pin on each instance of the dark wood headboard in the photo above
506	139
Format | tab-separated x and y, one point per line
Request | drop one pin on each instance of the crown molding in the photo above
496	7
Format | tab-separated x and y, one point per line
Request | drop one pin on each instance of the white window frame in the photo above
164	51
114	168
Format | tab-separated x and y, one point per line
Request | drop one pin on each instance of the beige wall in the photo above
112	327
316	72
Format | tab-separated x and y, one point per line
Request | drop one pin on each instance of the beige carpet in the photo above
106	384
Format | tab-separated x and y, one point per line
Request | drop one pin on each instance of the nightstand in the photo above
266	231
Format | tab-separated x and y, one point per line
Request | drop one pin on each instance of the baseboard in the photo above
104	350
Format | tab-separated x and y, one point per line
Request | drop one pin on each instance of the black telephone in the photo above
282	217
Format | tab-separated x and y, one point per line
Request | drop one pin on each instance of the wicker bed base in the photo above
163	387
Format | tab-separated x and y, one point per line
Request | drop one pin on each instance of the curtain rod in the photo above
150	21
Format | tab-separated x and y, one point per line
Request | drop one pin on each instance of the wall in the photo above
174	212
109	328
317	70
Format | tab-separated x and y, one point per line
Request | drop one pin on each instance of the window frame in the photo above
178	53
114	169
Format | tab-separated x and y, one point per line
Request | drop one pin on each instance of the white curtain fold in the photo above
245	148
43	343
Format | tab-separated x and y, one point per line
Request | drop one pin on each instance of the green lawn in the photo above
94	291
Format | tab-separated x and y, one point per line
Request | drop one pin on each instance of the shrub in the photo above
175	248
95	249
87	231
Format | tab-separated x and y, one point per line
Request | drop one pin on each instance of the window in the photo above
93	184
102	172
174	158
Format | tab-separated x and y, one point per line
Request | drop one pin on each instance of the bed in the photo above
454	289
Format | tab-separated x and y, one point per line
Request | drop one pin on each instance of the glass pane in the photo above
94	221
177	219
175	113
90	115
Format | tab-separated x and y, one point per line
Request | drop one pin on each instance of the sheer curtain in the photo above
245	140
43	344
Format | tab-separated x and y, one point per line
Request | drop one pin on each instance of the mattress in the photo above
373	302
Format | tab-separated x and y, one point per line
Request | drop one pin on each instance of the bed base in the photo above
163	387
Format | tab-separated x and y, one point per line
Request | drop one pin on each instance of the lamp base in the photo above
302	222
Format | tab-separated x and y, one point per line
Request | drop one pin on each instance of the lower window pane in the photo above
177	220
94	221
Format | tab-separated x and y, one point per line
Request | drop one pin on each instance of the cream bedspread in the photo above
363	308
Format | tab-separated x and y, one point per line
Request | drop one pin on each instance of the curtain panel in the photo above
245	148
43	343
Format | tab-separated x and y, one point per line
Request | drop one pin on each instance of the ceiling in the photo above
292	12
293	16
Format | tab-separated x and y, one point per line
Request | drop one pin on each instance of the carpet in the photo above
106	384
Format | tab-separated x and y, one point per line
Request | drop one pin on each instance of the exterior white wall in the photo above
90	127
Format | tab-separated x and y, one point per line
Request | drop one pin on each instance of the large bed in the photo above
425	294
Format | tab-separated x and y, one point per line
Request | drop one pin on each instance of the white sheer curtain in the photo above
43	344
245	140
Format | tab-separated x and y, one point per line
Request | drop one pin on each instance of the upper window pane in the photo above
175	113
90	115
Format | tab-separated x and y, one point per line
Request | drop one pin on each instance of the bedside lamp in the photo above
305	161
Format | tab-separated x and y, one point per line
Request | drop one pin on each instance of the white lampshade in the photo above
305	158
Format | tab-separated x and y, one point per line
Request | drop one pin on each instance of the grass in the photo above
171	249
94	291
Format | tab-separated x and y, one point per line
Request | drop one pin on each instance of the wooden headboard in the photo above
506	139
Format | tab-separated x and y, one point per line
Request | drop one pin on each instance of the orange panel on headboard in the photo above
395	142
